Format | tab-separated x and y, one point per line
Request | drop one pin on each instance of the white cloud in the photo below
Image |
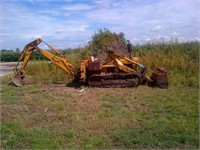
77	7
68	22
146	38
30	25
174	34
39	1
49	12
135	40
196	39
158	28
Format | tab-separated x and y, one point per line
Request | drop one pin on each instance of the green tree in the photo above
17	50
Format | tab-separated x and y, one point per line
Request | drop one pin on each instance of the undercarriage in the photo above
115	80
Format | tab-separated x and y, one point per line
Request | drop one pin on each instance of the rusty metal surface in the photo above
94	65
159	77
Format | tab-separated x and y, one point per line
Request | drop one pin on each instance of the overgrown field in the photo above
46	116
43	115
180	60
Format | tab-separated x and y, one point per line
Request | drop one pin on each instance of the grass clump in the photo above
69	133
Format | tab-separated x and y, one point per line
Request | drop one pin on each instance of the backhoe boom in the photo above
60	60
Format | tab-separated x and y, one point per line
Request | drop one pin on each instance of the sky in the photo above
71	23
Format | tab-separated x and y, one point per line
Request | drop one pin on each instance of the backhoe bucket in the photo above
21	81
159	77
18	81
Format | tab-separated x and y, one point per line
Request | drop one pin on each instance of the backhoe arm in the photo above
60	60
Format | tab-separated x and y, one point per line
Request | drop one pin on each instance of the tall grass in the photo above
46	72
180	60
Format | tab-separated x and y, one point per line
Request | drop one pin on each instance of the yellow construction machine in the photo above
117	71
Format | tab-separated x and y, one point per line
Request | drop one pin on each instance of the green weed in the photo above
31	89
69	133
59	105
100	143
33	138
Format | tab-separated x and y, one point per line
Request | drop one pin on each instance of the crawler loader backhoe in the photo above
117	71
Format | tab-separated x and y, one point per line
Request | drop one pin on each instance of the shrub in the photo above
8	56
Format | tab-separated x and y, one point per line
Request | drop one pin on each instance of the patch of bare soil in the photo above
84	97
7	65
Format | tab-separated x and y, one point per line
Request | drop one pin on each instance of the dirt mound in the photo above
118	46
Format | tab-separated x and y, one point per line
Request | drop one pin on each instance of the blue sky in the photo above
71	23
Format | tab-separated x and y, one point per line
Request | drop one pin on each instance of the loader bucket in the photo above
159	77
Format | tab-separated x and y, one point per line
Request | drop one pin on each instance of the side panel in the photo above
83	72
94	65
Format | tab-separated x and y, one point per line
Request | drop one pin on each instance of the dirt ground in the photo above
6	67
